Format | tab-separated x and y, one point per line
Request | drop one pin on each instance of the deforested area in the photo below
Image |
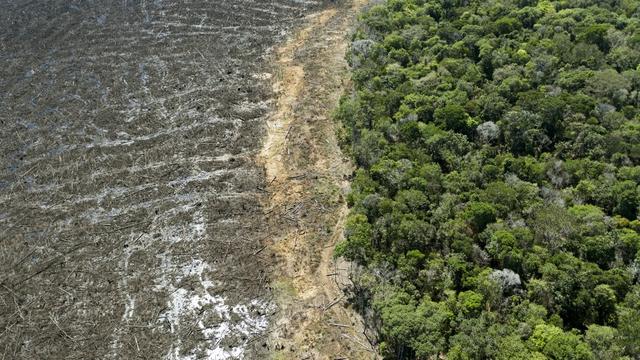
494	211
308	180
131	202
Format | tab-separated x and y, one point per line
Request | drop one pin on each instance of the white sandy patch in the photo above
200	304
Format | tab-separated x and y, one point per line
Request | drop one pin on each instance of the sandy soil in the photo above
307	176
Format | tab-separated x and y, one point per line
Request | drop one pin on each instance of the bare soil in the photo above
131	203
141	215
307	176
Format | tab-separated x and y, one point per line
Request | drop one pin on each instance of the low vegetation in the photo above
495	206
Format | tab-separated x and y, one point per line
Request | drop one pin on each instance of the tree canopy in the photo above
494	212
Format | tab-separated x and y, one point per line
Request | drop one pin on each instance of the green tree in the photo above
557	344
452	117
628	320
479	215
357	243
603	341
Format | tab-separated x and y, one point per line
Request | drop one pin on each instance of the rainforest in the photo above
494	209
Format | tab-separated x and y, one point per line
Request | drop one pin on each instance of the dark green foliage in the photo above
495	208
452	117
629	318
479	215
596	34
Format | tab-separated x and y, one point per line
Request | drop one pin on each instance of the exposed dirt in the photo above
131	211
307	175
134	219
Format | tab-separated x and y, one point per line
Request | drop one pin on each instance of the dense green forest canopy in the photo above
495	205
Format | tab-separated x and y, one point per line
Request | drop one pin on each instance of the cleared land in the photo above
131	205
308	182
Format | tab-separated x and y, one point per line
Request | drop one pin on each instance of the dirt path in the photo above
306	208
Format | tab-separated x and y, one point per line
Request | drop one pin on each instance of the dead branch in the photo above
333	303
